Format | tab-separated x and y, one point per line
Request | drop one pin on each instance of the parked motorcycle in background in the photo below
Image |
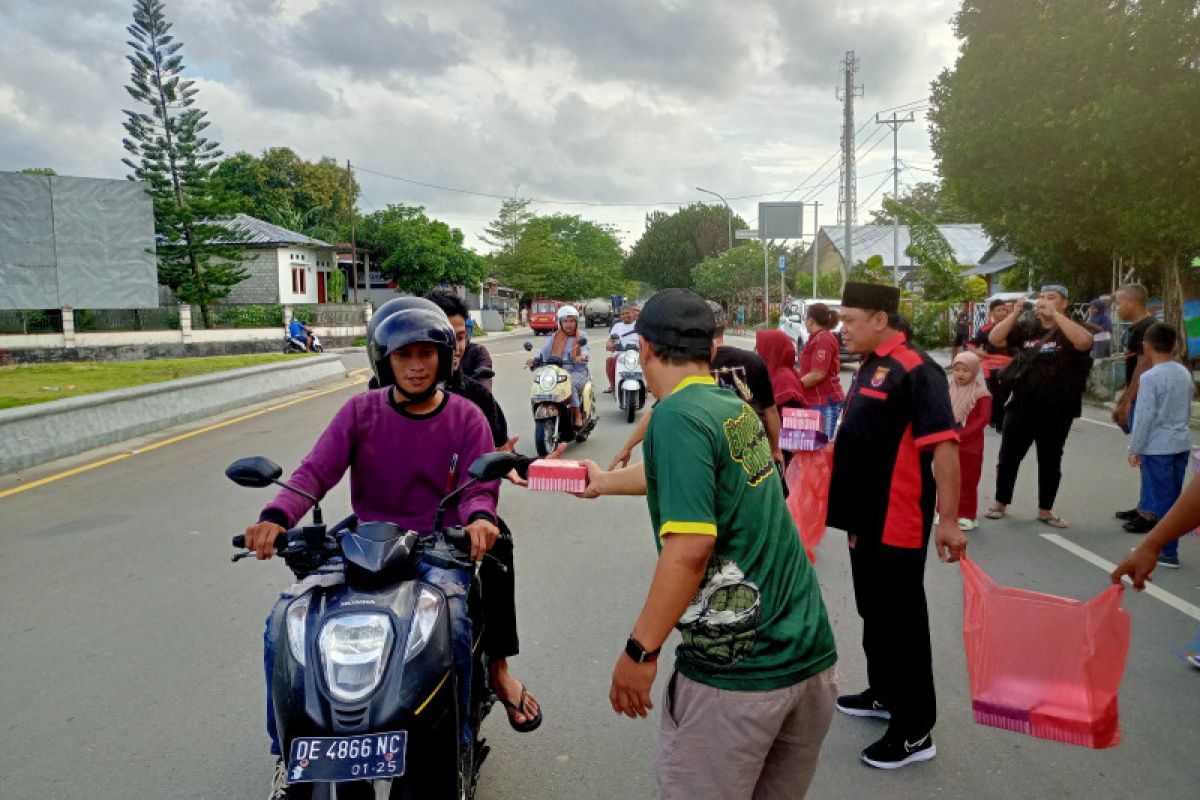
364	687
631	382
550	397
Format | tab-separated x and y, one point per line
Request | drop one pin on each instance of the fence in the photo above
32	321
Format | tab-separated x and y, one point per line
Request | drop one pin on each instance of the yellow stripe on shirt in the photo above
702	528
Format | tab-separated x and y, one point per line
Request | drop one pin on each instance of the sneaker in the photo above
1127	516
862	705
1170	562
1142	524
893	753
279	784
965	524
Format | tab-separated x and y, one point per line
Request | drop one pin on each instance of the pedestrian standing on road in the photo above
1047	379
962	334
1131	307
981	346
1099	323
820	367
1160	443
895	452
972	406
751	698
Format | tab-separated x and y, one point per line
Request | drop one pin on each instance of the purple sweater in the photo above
400	465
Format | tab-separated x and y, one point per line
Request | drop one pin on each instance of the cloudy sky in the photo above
611	108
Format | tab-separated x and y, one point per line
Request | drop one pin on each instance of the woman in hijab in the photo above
972	404
776	350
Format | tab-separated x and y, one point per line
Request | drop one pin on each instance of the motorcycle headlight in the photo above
425	615
630	361
297	623
547	380
354	651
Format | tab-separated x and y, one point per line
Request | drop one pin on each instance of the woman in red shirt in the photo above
820	363
972	404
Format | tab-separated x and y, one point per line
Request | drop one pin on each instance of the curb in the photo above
32	435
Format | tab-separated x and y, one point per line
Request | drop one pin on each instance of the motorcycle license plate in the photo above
347	758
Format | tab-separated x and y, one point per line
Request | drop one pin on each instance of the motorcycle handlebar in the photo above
281	542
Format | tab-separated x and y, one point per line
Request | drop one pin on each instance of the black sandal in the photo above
519	707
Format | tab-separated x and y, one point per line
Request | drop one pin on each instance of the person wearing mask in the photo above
1047	379
820	367
896	452
972	406
1132	302
621	334
1100	325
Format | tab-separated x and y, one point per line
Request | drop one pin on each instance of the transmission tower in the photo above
847	194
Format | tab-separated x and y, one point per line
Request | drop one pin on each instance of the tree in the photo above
870	271
565	256
1102	160
732	277
38	171
937	270
311	197
673	244
930	200
417	252
169	153
505	231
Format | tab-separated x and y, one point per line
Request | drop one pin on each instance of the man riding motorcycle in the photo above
565	345
406	445
621	334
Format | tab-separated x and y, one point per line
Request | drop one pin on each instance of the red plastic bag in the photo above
1044	665
807	480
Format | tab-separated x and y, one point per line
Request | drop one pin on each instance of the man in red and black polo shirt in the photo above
895	453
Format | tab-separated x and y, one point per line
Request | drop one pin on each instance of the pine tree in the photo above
170	154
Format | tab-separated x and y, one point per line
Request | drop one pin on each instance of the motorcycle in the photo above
293	345
631	383
364	689
553	422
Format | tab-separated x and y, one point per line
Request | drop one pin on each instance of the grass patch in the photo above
26	384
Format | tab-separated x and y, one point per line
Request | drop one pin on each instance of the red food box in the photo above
801	419
557	475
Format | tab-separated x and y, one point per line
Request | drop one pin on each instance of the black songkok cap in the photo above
872	297
677	318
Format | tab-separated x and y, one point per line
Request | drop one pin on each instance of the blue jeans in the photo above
829	416
1162	483
455	585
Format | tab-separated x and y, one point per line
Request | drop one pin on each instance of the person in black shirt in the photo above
962	334
997	311
475	357
1131	307
1047	379
896	451
497	574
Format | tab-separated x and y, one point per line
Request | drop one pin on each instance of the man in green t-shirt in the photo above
753	690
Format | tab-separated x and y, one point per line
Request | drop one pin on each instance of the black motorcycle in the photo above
364	689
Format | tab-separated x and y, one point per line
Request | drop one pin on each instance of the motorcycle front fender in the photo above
630	385
545	411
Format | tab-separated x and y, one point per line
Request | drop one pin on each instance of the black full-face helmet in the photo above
404	321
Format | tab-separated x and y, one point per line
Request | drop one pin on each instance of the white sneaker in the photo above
965	524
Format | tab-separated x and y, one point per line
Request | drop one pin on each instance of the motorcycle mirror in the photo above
582	341
493	466
528	345
483	374
255	472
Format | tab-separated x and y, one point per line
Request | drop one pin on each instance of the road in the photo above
131	660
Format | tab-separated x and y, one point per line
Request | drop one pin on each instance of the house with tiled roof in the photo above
285	267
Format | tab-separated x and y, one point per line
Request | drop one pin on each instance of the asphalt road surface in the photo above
131	657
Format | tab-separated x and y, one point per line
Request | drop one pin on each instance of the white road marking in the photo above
1177	603
1101	424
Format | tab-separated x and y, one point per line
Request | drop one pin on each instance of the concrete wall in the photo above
32	435
262	287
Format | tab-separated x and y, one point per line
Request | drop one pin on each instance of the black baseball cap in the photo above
677	318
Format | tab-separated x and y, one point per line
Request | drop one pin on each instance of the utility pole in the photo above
894	123
849	188
816	248
353	248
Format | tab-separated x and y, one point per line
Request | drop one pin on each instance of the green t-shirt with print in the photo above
758	621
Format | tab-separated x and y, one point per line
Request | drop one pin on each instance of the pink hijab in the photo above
964	398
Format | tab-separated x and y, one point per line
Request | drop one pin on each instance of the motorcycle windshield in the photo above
377	547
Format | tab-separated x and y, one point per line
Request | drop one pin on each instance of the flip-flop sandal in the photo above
519	707
1054	521
995	513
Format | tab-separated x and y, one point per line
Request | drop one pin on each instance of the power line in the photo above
863	204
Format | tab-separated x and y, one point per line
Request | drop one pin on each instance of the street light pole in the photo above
727	208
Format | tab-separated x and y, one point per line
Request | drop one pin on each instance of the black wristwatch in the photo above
634	649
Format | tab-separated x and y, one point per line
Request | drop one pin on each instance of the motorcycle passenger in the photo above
619	335
442	433
565	345
300	333
500	641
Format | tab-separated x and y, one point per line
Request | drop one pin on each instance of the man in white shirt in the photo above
622	333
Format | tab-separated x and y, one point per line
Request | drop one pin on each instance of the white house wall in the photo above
308	259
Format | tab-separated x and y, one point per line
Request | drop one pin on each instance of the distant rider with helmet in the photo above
566	345
407	445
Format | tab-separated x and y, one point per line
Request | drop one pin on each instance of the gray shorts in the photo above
728	745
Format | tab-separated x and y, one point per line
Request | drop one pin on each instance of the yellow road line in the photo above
356	377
